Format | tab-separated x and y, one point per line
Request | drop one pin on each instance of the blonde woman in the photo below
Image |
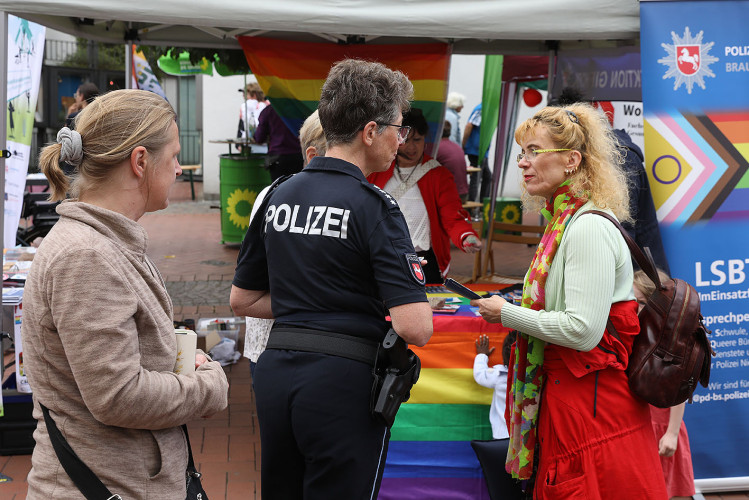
98	335
569	399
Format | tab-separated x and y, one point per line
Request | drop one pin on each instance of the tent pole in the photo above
507	99
553	52
129	65
511	120
3	118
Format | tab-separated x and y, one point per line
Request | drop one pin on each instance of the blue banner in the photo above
600	74
695	89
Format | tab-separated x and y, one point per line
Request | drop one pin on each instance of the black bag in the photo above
492	454
195	489
90	485
671	353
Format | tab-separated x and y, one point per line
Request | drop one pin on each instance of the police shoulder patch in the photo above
414	265
384	195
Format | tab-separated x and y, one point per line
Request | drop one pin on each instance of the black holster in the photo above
396	370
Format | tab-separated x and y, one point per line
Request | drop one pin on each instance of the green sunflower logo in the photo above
510	214
239	207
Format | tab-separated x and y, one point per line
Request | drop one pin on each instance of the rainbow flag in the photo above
292	74
430	455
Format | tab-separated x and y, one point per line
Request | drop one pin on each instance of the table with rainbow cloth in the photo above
430	455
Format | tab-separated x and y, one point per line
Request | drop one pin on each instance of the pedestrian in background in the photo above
451	156
480	182
452	114
84	95
283	156
429	199
249	113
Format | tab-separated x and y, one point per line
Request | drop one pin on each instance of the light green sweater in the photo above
591	270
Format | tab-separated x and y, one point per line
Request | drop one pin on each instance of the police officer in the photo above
329	256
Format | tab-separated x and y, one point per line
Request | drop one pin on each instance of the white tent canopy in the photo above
474	26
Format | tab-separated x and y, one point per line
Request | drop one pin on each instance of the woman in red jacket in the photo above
428	198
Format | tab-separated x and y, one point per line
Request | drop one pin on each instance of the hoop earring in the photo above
570	171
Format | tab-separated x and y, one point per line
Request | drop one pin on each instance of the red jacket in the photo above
447	218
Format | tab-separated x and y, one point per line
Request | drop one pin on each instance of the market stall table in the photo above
430	455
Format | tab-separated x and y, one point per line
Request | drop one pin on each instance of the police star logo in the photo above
414	265
688	60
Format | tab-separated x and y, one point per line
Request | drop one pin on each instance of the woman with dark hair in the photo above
84	96
428	198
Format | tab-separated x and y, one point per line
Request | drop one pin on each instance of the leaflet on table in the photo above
12	295
22	382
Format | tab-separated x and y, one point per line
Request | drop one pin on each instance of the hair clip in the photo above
573	116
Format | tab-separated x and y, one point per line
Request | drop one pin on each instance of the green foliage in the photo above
234	60
108	56
112	57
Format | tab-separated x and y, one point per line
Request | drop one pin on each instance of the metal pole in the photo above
506	101
129	65
3	118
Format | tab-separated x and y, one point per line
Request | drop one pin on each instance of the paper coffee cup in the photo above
187	343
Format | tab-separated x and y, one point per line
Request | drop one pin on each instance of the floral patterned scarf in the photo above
529	351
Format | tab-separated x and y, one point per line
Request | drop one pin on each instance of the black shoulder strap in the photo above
83	477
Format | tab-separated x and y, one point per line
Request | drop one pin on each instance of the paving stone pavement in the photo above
184	241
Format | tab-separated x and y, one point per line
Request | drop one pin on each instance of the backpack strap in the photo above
643	257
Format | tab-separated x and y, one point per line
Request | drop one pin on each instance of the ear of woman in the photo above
369	133
574	158
139	161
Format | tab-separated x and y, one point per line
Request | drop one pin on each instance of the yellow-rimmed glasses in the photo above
530	155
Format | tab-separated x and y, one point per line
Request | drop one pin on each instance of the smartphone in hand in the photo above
456	287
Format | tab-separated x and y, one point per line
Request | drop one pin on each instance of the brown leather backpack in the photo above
671	353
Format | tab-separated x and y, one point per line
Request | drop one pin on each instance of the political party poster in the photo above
695	76
25	51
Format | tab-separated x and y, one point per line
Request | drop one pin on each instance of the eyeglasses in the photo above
403	131
530	155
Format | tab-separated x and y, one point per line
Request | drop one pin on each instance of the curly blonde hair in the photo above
600	177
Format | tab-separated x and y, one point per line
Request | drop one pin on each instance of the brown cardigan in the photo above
99	349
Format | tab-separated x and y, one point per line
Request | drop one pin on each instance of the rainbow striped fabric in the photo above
292	73
430	455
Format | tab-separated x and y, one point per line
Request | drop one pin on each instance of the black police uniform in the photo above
335	252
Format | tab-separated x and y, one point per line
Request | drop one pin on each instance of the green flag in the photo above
183	66
490	102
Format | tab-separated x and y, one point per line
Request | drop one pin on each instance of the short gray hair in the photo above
357	92
455	100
